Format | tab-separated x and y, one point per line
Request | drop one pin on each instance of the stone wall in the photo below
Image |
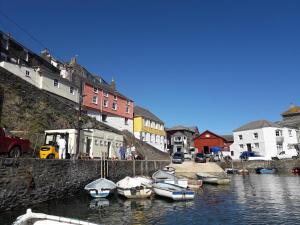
283	166
24	182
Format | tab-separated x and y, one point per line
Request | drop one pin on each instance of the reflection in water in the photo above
254	199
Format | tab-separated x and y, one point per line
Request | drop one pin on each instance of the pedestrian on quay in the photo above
62	147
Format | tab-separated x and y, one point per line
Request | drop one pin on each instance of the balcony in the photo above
279	139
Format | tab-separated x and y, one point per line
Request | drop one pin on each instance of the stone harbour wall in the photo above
283	166
24	182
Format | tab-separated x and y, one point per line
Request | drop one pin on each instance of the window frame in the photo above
95	102
57	83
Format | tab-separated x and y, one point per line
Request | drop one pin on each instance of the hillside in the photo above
29	111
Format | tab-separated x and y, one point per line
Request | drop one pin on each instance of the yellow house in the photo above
149	128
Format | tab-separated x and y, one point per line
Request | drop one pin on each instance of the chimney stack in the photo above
113	84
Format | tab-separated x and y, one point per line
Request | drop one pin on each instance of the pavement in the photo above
189	169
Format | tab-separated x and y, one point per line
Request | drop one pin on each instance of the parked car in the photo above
187	156
12	145
288	154
178	157
200	158
247	154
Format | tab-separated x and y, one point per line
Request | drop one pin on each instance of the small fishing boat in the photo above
169	169
100	188
265	170
144	179
162	176
133	188
31	218
173	191
208	178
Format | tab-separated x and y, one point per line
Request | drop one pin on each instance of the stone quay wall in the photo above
283	166
24	182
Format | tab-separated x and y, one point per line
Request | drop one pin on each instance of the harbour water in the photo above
254	199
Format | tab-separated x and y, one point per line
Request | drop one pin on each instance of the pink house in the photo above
103	102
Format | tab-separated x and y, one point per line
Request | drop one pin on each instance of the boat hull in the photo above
100	194
135	193
212	179
173	192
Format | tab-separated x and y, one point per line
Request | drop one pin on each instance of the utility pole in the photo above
79	118
1	103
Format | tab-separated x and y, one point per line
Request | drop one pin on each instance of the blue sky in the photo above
214	64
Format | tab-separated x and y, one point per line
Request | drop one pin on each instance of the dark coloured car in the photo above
247	154
178	157
200	158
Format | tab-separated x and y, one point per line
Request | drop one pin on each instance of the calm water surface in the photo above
254	199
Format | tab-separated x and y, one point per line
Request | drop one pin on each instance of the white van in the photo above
288	154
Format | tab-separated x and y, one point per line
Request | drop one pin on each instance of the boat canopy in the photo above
101	183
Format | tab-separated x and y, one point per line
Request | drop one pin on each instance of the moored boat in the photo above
162	176
100	188
173	191
208	178
31	218
133	188
265	170
169	169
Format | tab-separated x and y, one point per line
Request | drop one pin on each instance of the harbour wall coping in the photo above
283	166
24	182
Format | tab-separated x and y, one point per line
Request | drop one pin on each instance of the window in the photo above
96	142
232	153
256	145
279	147
26	57
126	121
114	106
128	102
105	103
255	135
27	73
241	146
241	137
95	100
290	133
95	90
3	56
72	90
115	98
278	133
127	109
104	118
55	83
105	94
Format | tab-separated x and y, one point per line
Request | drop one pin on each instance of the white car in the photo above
288	154
187	156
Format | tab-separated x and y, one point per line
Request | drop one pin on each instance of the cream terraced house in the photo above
34	69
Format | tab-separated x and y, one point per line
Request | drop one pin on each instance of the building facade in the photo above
206	141
34	69
181	139
263	137
149	128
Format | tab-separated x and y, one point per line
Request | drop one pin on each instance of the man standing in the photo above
62	147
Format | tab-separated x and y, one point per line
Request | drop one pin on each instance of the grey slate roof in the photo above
145	113
228	137
257	125
180	127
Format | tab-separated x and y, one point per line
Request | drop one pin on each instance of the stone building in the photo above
149	128
181	138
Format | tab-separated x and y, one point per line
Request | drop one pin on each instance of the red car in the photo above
12	145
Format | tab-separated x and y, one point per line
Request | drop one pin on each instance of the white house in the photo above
263	137
93	142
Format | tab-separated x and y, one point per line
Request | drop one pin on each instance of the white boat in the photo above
144	179
214	178
31	218
172	191
162	176
100	188
133	188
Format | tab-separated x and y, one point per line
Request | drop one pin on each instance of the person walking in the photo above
62	147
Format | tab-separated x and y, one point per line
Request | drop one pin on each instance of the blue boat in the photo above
265	170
